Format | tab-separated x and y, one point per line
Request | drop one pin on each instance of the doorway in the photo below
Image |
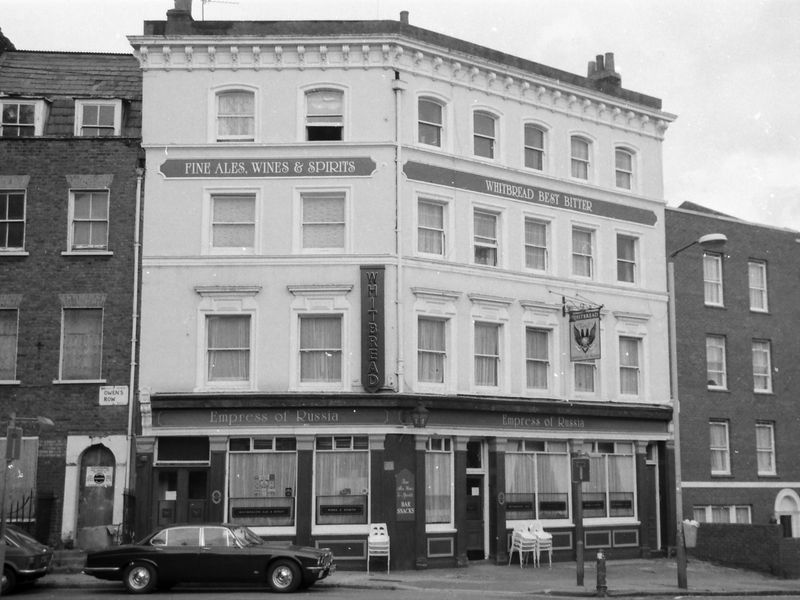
476	506
181	495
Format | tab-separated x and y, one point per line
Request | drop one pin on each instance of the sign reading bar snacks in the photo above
584	326
475	182
204	168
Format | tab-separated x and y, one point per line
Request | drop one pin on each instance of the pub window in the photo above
439	482
324	115
233	222
611	489
186	449
262	481
537	480
342	480
235	116
430	122
484	133
534	147
228	348
324	221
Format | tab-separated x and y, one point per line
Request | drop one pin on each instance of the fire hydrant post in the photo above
602	588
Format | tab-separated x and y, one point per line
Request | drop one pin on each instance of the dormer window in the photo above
98	118
21	118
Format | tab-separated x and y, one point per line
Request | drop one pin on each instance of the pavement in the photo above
637	577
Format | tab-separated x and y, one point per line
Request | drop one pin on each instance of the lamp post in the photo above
710	239
13	449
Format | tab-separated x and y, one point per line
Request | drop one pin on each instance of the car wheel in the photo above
140	578
283	576
9	581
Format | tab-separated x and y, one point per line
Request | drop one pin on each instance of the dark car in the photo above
209	553
26	559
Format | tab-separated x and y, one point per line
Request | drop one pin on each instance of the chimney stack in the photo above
601	70
179	19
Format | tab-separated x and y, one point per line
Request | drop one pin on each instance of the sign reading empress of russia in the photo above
194	168
474	182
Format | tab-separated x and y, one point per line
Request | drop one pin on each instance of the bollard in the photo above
602	588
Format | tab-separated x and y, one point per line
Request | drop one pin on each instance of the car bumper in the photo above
32	573
322	572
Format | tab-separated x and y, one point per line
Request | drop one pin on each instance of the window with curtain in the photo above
320	348
623	161
9	329
430	122
762	366
765	448
485	238
629	365
89	230
342	480
537	358
262	481
12	220
18	119
324	115
611	490
712	279
236	116
324	221
537	480
757	279
720	449
81	343
430	227
579	157
716	373
536	244
439	481
483	134
233	221
487	354
626	258
431	350
582	252
722	514
584	376
534	147
228	347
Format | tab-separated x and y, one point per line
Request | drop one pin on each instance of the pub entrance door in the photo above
181	495
477	508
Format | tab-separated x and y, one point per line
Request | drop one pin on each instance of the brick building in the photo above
738	378
69	188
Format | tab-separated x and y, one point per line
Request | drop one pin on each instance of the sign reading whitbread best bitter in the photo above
502	188
204	168
584	326
372	328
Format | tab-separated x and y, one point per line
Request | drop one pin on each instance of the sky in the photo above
727	68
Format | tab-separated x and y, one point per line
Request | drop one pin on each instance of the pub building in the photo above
393	276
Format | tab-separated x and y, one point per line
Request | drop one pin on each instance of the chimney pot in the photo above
404	17
599	60
610	61
592	67
183	5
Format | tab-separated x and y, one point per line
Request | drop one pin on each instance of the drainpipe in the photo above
398	85
134	325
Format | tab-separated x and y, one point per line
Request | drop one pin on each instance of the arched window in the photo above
580	149
236	116
534	147
623	168
430	114
484	129
324	115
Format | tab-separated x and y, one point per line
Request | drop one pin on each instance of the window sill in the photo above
707	305
10	382
77	381
764	392
87	253
14	253
345	529
717	389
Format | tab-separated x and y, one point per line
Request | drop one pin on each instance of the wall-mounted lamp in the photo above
417	417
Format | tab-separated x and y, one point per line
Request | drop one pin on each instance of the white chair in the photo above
378	543
544	542
524	543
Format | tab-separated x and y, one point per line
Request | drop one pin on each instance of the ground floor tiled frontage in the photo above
451	476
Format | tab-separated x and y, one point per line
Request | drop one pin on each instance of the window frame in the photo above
574	254
324	384
340	124
39	116
496	358
443	236
486	243
636	367
301	194
766	350
441	445
422	123
80	125
621	171
337	447
214	194
485	137
226	383
632	263
11	345
442	354
7	222
547	361
72	248
545	250
529	149
98	347
724	450
215	116
768	450
710	284
704	513
579	164
722	346
754	289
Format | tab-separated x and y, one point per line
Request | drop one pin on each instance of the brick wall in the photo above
756	547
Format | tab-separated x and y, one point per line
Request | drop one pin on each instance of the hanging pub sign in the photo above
372	323
584	336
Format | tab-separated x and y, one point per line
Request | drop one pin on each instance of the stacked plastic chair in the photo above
378	543
544	542
524	543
